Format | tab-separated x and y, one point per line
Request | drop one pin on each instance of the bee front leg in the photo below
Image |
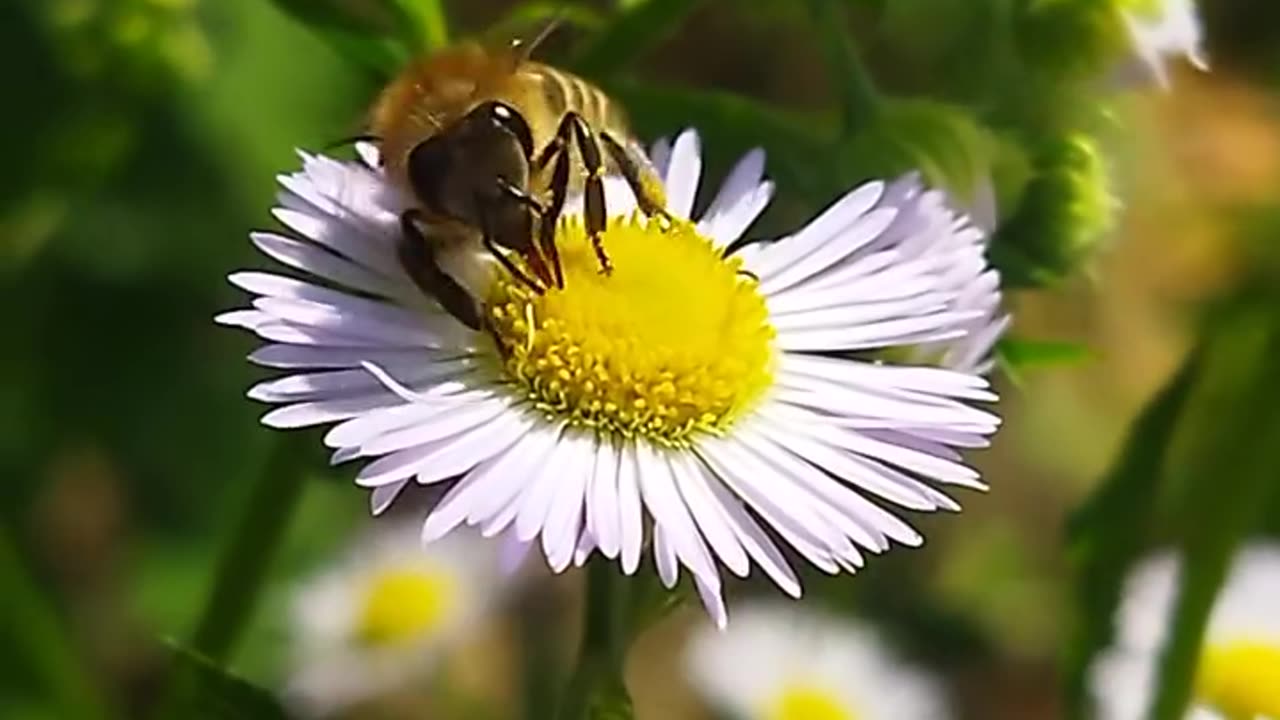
574	127
645	184
418	258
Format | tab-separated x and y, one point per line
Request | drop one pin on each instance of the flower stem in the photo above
246	559
241	572
859	99
596	690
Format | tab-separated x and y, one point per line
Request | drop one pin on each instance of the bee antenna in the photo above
524	50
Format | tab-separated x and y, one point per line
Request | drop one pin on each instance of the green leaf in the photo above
425	23
1109	530
1229	473
859	100
1018	354
33	634
793	140
538	13
635	30
208	692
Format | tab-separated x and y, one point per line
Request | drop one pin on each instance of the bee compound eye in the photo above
510	119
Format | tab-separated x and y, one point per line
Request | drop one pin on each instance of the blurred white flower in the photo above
716	393
1239	673
1159	30
778	663
383	617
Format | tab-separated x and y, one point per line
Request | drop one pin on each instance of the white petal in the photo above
710	517
658	490
382	496
664	557
602	502
490	485
713	602
777	256
755	540
831	251
630	515
683	174
564	518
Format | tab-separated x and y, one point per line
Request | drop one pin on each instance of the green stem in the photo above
596	689
37	641
241	573
1230	484
859	99
246	559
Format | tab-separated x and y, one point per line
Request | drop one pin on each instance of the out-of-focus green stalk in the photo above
859	99
432	23
246	559
596	690
243	567
36	639
1107	533
1232	474
634	31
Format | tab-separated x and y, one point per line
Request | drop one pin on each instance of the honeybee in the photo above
482	141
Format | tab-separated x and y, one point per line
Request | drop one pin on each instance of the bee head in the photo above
456	172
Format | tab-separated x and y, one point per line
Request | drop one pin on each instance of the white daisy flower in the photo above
778	663
1239	672
1163	29
383	618
710	402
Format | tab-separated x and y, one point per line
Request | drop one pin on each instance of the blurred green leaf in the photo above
1230	473
519	20
635	30
212	693
944	142
1016	355
1108	531
794	140
363	32
30	629
850	82
426	23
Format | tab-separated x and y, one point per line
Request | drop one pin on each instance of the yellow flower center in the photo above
404	603
674	341
1241	680
807	702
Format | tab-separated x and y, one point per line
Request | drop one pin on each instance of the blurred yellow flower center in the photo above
806	702
674	341
1241	679
401	604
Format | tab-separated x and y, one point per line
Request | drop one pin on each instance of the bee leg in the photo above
573	128
486	236
593	188
538	256
645	184
417	257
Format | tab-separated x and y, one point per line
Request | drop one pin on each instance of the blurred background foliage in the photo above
1137	233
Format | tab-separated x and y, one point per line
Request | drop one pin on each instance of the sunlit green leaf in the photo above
1016	355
